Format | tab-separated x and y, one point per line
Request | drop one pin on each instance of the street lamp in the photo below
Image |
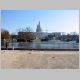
12	42
4	41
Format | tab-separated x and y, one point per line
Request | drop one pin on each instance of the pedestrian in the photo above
13	47
6	45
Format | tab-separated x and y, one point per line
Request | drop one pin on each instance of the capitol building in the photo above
39	33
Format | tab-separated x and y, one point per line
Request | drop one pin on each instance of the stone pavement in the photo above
16	59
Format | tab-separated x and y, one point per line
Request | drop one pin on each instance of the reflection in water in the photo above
45	45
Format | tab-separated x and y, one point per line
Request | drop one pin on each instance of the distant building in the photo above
38	28
73	33
56	34
39	33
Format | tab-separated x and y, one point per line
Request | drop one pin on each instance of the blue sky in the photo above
51	20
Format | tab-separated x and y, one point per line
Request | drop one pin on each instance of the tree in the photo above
50	36
13	37
28	29
26	35
5	35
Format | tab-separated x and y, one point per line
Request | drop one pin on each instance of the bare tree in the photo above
28	29
26	34
5	34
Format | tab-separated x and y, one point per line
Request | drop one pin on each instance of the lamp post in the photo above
12	43
4	41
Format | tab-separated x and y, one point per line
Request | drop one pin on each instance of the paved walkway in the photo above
39	59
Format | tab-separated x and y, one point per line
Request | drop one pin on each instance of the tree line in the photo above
27	35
